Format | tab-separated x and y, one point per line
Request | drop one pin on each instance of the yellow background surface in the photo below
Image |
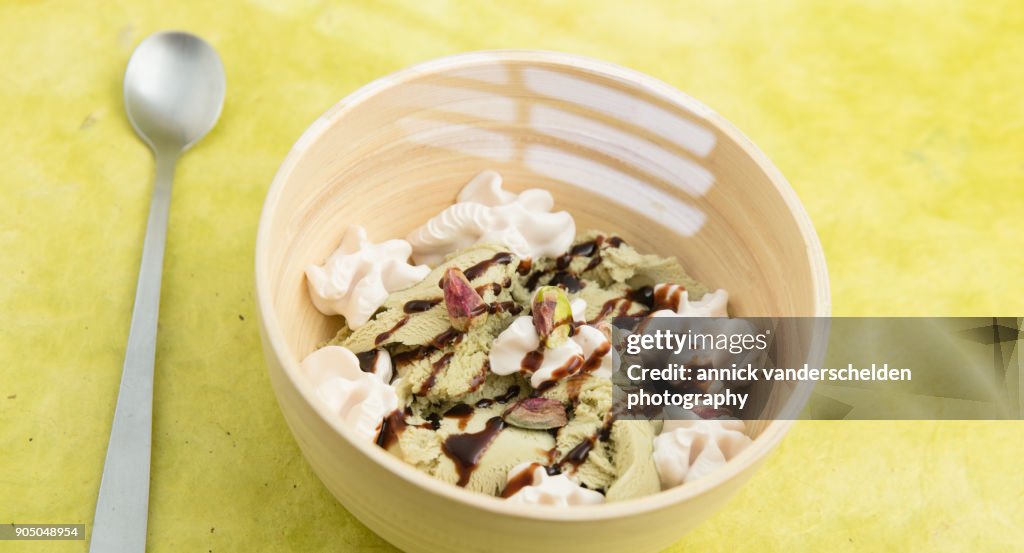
899	124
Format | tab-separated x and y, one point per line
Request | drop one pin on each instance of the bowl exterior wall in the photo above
744	230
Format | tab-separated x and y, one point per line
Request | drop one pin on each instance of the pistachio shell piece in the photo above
465	306
552	316
536	413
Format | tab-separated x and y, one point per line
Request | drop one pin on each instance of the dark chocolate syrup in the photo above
668	297
524	266
534	280
494	287
594	361
433	422
521	480
502	258
480	377
619	306
435	369
584	249
573	386
587	249
384	336
412	355
367	360
463	412
511	393
531	361
391	428
571	367
419	306
567	280
447	338
465	450
643	295
562	276
510	307
577	455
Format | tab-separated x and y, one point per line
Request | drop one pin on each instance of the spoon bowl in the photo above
173	89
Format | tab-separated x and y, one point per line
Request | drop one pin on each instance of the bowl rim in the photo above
272	334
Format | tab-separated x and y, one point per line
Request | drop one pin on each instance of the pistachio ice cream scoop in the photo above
499	358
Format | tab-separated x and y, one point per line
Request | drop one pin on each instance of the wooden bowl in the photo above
621	151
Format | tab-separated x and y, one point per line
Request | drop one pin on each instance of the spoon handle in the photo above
123	503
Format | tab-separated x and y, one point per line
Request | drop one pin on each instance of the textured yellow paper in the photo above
900	125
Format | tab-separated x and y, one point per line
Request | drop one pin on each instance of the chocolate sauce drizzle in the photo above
571	367
462	411
502	258
509	307
391	428
480	377
521	480
367	360
465	450
531	361
619	307
447	338
594	361
494	287
419	306
435	369
511	393
577	455
643	296
567	280
584	249
433	422
384	336
668	297
574	457
560	274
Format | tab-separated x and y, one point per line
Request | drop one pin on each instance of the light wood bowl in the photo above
621	151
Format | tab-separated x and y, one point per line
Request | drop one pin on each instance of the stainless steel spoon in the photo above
173	93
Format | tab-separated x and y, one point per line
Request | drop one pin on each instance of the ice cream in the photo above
491	371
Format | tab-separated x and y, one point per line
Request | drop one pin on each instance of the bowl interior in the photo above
622	152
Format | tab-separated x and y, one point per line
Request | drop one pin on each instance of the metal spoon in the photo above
173	93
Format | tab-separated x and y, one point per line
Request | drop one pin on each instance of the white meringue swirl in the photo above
559	490
357	278
360	399
485	213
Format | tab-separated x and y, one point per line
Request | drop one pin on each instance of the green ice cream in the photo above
455	426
